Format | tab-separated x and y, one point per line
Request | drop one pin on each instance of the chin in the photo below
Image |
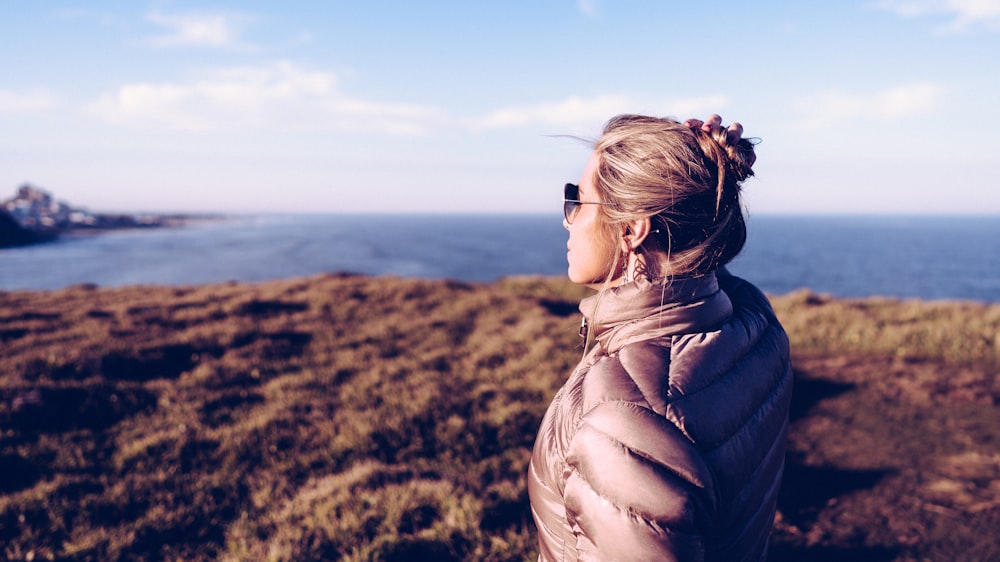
574	277
593	283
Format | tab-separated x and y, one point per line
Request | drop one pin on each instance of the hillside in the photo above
375	418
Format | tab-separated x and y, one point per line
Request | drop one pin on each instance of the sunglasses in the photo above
571	201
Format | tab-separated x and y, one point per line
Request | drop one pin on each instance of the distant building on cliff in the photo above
33	215
36	209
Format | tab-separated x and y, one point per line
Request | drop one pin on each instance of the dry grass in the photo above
962	332
360	418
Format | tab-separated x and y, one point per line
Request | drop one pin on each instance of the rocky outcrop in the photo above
13	234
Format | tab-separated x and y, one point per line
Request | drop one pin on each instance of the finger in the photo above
693	123
714	123
734	133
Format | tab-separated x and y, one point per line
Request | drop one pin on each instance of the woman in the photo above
667	441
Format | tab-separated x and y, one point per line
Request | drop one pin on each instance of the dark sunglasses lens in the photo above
569	209
571	193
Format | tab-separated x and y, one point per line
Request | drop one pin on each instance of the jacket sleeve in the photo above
636	488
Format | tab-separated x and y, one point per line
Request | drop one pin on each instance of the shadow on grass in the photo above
270	308
805	490
156	362
786	553
809	392
19	473
562	309
55	410
414	549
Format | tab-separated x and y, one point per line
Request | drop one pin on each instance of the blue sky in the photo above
872	106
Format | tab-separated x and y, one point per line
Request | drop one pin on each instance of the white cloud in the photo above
573	111
829	108
390	118
279	96
587	7
965	14
200	30
285	96
589	113
20	102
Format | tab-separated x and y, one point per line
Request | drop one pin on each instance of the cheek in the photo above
602	249
591	255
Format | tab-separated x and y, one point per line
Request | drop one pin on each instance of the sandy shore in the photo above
360	418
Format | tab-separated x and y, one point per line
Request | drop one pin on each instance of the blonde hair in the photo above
686	181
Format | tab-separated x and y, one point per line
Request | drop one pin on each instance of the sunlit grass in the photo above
954	331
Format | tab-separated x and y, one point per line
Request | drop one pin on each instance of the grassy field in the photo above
375	418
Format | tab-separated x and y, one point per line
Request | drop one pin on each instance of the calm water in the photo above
931	258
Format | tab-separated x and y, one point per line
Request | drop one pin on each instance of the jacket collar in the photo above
645	309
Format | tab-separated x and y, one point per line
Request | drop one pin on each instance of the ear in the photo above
635	233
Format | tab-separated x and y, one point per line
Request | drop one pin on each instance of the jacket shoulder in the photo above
719	380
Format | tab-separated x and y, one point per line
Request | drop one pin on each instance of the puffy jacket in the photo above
667	442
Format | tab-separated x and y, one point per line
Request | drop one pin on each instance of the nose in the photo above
565	223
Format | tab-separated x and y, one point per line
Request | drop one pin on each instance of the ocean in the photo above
845	256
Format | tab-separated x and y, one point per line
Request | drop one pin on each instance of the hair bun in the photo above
685	180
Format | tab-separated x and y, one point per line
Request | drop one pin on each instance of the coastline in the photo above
232	420
144	222
13	235
33	216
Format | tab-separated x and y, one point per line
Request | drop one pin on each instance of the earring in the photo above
626	254
640	265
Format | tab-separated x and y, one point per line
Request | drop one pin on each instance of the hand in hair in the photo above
734	133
